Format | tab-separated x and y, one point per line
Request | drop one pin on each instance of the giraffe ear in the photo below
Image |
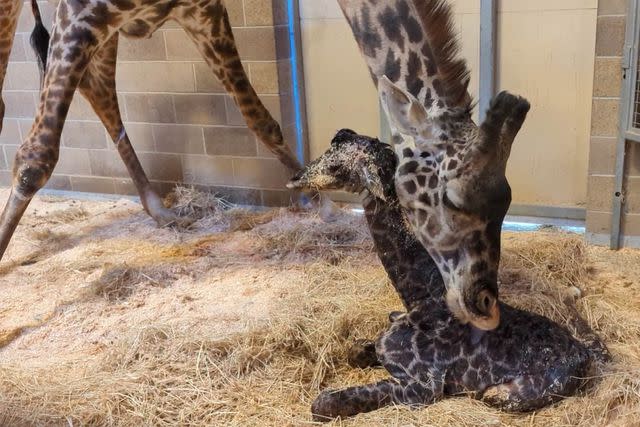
406	114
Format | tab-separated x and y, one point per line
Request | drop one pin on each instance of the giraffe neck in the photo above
412	271
397	41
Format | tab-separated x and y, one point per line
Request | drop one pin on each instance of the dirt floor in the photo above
107	320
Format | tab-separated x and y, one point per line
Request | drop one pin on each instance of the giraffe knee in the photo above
29	177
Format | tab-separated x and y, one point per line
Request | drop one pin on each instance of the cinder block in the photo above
264	77
151	49
600	192
207	170
162	166
92	184
180	47
19	104
612	7
150	108
84	135
73	161
602	156
608	77
226	141
179	139
260	173
206	81
604	117
610	35
155	77
200	109
256	44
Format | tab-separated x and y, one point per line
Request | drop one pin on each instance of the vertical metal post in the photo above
297	79
488	14
629	55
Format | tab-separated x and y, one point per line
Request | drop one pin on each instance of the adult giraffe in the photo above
451	178
82	55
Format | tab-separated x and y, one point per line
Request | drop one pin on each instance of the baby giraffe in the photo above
527	362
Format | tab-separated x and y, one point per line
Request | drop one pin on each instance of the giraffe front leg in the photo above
99	88
356	400
72	49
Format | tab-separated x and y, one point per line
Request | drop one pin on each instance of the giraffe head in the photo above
451	183
354	163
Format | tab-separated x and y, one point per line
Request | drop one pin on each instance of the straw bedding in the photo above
243	319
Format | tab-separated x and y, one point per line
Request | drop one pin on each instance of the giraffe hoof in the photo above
362	354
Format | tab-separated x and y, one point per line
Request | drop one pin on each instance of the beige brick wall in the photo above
604	132
183	125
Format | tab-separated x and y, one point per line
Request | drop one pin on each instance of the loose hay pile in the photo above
129	325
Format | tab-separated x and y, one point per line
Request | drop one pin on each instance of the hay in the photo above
177	371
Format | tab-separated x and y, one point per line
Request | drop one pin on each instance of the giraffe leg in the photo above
72	46
210	30
9	13
529	393
219	50
355	400
99	88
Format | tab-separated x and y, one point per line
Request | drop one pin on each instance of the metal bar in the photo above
631	41
633	136
297	80
488	13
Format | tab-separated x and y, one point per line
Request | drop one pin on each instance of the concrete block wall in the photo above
183	125
610	37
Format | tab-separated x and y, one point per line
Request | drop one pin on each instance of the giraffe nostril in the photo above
485	302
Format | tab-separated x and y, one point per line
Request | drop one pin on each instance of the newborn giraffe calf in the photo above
527	362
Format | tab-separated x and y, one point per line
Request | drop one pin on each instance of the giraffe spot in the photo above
424	198
388	19
410	187
422	180
428	99
392	67
453	164
438	87
414	68
433	181
422	216
409	22
123	4
365	33
408	168
407	152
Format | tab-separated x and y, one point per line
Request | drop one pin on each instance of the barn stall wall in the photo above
545	51
181	122
607	130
